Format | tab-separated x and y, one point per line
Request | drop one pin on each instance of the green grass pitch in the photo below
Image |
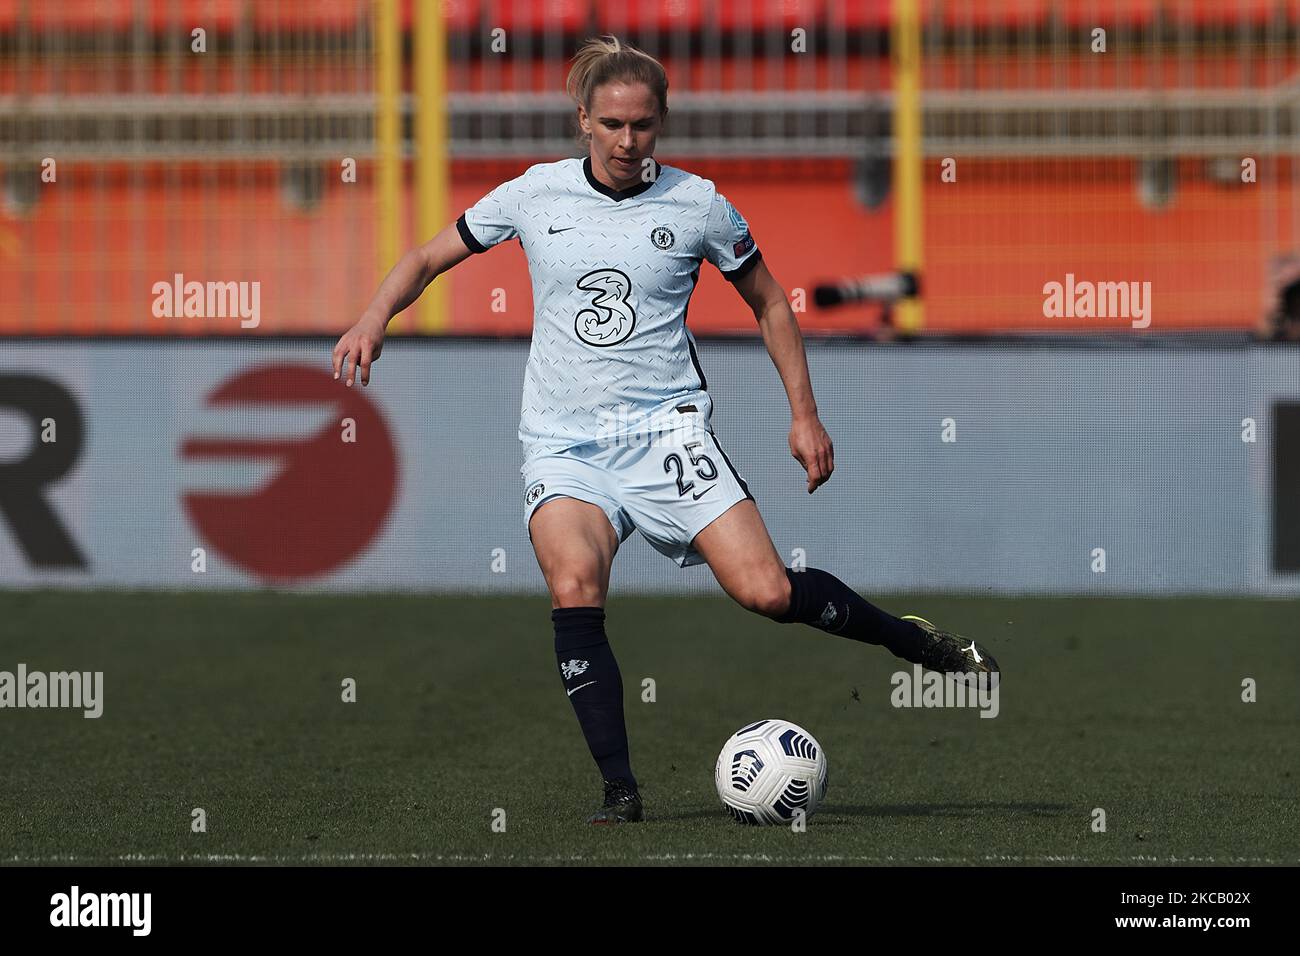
232	703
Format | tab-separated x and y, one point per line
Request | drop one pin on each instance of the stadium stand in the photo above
226	163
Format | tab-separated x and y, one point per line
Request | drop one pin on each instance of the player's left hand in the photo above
812	448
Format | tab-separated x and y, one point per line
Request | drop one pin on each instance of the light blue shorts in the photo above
669	491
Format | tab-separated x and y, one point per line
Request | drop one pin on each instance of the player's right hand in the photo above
361	344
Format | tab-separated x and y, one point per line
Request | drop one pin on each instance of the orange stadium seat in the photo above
100	15
767	14
877	14
1100	13
994	13
1225	13
1207	71
71	14
459	15
857	14
227	14
309	14
525	15
660	15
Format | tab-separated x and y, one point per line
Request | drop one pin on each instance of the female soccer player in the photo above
614	244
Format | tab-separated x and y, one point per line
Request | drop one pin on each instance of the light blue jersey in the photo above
612	273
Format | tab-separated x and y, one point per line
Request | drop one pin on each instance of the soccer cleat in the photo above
944	652
622	804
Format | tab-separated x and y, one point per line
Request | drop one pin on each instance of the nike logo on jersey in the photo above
552	231
580	687
704	492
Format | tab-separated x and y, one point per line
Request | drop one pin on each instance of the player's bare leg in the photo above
575	546
741	555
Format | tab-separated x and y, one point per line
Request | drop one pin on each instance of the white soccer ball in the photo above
768	770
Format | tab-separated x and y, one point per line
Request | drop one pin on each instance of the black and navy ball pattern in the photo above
746	765
795	744
794	797
742	816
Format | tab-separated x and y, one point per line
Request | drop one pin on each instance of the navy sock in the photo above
594	685
830	605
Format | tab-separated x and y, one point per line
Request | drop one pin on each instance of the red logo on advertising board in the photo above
328	497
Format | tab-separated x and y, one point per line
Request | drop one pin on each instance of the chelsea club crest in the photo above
662	237
533	493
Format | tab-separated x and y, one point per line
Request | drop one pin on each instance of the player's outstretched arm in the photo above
362	343
809	443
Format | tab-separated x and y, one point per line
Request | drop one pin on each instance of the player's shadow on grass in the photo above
951	810
827	812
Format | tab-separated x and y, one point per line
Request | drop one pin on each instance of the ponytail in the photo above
605	59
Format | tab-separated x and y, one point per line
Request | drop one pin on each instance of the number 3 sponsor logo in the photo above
611	318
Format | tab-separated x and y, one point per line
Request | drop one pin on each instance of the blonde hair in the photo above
606	59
